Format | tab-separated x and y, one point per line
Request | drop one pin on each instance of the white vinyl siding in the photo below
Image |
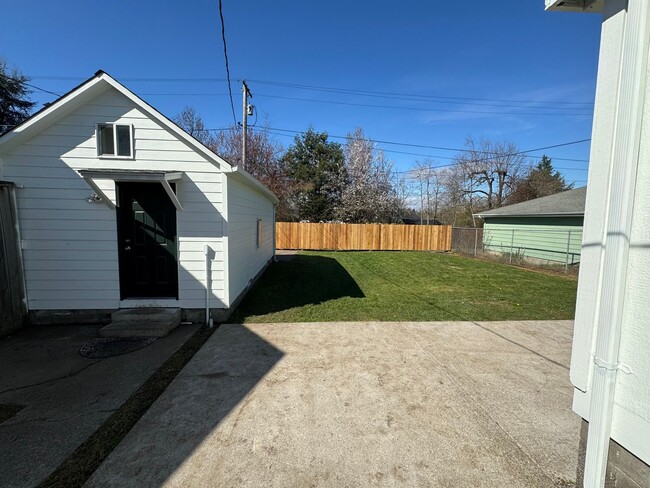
246	207
70	245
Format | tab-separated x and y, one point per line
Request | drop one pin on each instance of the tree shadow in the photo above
292	283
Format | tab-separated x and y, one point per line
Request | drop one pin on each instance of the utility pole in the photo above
245	108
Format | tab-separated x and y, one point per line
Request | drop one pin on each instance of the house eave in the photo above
555	214
582	6
245	177
162	177
90	88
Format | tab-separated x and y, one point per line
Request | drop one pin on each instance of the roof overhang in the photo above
85	92
556	214
246	178
120	175
590	6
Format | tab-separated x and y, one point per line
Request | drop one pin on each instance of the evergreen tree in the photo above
541	181
15	105
316	167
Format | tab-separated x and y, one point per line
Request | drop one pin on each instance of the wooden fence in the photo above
362	237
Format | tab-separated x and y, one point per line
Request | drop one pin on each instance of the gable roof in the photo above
570	203
97	85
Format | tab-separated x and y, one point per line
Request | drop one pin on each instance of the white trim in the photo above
249	180
629	430
60	107
131	175
490	216
589	6
225	252
99	83
619	202
170	193
99	192
180	133
89	176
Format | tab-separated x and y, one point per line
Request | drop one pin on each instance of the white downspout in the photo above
206	252
275	259
620	202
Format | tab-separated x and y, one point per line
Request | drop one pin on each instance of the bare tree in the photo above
191	122
429	189
264	161
490	170
264	156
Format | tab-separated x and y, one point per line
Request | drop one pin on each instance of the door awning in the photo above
121	175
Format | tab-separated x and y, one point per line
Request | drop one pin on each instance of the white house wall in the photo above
631	415
245	207
70	245
633	389
595	211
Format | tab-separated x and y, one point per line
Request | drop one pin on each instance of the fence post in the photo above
568	247
475	239
512	243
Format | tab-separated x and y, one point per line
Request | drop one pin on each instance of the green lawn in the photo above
403	286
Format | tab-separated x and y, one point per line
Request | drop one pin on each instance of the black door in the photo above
146	228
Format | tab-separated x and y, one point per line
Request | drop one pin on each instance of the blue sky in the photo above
473	56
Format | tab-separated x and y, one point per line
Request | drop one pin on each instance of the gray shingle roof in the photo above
566	203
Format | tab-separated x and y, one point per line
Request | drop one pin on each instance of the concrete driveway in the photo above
456	404
65	397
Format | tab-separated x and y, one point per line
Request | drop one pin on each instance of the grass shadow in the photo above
303	280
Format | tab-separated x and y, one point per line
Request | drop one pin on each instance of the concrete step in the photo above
142	322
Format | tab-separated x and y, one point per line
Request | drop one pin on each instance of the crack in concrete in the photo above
520	345
51	380
55	420
476	404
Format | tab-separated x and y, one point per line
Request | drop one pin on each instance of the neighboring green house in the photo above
546	229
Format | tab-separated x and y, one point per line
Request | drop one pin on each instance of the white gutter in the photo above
487	215
619	202
593	6
275	259
246	178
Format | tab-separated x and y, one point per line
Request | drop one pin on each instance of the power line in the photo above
390	94
29	84
162	80
42	89
225	54
390	107
433	147
434	156
455	163
345	137
422	109
346	91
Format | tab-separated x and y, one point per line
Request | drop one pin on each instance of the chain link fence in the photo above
524	246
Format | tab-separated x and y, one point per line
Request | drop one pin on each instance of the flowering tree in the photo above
369	194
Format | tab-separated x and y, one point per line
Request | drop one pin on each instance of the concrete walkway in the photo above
65	396
455	404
